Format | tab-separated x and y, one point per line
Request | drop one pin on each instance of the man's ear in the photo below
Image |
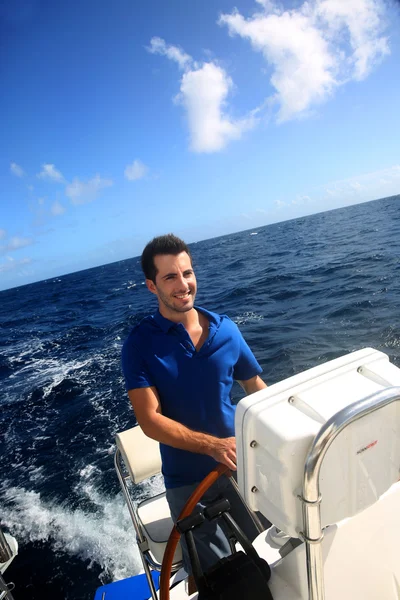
151	286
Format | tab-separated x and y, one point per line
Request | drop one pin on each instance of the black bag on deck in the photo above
240	575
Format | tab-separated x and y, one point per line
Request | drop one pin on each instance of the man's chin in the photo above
183	309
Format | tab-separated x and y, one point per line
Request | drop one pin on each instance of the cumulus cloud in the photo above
203	94
81	192
57	209
363	21
135	171
314	48
16	170
50	173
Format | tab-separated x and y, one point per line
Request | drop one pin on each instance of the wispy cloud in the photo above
137	170
158	46
15	243
50	173
57	209
11	264
81	192
3	234
204	90
314	48
353	190
16	170
367	186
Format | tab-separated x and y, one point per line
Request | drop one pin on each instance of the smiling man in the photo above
179	365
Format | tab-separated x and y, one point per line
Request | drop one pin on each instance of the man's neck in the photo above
188	319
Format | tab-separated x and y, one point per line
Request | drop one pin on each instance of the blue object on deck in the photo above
133	588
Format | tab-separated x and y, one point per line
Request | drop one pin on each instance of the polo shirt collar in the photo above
162	322
166	324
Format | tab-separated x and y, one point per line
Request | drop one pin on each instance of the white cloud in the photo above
81	192
15	243
368	186
135	171
314	48
13	264
363	21
57	209
50	173
301	200
3	234
356	186
203	93
158	46
16	170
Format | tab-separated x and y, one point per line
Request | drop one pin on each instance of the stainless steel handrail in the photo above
313	534
139	534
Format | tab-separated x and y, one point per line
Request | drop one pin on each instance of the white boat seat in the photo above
155	518
142	459
141	454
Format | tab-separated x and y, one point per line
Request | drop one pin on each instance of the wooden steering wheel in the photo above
174	537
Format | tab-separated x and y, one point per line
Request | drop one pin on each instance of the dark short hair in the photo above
163	244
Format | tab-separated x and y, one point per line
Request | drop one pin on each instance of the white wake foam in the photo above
105	537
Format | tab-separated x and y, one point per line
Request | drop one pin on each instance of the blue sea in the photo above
302	292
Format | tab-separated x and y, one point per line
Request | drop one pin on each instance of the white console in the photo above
275	428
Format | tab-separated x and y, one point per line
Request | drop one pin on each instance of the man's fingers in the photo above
229	463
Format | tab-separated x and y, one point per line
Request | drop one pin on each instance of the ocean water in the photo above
302	292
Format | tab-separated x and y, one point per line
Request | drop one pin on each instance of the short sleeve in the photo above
134	367
246	366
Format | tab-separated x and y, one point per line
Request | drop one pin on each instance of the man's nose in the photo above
182	281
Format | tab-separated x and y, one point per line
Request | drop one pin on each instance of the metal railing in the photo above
141	540
311	498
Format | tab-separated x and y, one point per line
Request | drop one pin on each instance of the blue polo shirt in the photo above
194	386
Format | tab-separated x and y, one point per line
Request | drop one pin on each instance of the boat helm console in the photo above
318	455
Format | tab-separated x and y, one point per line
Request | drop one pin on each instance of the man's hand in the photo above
146	404
223	450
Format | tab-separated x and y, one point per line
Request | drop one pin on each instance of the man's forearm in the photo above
252	385
170	432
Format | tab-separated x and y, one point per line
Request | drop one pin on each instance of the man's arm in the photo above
146	404
253	385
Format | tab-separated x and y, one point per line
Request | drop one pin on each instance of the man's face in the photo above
175	285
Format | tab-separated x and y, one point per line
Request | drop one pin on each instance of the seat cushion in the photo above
155	518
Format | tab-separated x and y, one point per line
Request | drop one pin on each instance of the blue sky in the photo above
124	120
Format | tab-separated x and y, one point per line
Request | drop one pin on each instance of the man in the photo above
179	366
